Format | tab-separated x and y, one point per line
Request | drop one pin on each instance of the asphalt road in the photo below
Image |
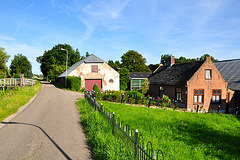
49	128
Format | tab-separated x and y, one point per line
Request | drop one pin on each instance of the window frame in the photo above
220	95
210	70
178	91
198	97
94	68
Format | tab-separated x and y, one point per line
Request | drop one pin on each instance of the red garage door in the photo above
89	83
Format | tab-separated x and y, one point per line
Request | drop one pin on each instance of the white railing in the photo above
13	82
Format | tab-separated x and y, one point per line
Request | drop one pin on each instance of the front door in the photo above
89	83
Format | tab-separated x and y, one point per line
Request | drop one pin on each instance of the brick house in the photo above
93	70
136	79
190	84
230	70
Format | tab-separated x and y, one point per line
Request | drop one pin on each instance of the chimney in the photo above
171	61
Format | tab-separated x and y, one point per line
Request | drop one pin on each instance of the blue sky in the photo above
109	28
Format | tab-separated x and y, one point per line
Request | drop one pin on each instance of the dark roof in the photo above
177	74
230	70
89	59
139	75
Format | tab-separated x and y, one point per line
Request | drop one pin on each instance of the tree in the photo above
115	65
56	56
203	57
21	65
165	59
134	62
4	71
55	71
124	78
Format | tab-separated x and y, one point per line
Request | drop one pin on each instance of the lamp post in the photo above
66	66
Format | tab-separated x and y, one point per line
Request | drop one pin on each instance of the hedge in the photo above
73	83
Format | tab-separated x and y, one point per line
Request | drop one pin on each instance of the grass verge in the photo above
12	100
184	135
99	134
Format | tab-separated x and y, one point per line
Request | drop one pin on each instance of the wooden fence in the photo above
16	82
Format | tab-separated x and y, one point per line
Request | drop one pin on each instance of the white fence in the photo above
14	82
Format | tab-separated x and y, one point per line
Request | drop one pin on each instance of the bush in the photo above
16	75
97	91
73	83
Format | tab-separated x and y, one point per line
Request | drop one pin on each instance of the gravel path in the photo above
49	128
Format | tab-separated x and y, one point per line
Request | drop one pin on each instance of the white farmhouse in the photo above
93	70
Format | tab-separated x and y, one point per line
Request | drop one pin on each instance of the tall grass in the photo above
99	134
184	135
11	100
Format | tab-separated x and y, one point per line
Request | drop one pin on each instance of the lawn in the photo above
184	135
11	100
104	144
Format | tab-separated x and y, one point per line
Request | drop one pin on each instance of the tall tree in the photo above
21	65
4	71
134	62
56	56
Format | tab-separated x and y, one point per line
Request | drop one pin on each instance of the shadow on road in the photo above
65	155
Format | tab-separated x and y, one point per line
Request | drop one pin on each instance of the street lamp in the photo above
66	66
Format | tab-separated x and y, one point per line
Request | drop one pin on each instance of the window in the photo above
216	96
178	94
94	68
208	74
136	83
198	96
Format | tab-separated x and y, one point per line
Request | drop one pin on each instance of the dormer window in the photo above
208	74
94	68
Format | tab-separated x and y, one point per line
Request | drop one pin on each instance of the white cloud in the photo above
6	38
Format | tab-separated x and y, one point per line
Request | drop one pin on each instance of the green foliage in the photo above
97	91
12	99
124	78
55	71
203	57
134	62
4	72
145	86
115	65
73	83
21	65
183	135
57	57
99	134
165	59
15	75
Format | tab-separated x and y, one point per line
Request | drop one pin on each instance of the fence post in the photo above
122	98
94	103
149	102
197	108
136	144
113	123
101	108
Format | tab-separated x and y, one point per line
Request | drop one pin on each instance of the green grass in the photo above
10	101
99	134
184	135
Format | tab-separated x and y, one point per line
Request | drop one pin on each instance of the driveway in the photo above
49	128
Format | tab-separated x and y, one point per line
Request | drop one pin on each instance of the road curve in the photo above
49	128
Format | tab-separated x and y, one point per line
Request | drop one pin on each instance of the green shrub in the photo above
16	75
97	91
73	83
